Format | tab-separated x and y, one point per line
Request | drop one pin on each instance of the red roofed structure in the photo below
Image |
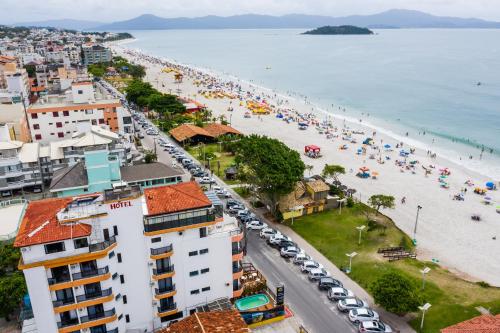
482	324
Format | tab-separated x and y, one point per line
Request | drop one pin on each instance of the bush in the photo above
350	202
483	284
396	293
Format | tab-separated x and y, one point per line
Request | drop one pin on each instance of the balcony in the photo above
91	296
179	223
96	316
161	252
91	273
59	279
238	290
67	323
165	292
102	245
237	254
167	309
163	270
61	302
114	330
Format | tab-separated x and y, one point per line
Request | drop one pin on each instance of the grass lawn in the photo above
453	300
119	82
223	158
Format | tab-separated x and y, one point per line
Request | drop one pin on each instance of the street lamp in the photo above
341	201
423	308
351	255
416	223
360	229
424	272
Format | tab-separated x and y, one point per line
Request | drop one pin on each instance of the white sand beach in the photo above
446	232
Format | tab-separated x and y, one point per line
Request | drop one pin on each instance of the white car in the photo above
347	304
308	265
207	180
337	293
268	232
256	225
300	258
317	273
276	239
363	314
374	327
290	251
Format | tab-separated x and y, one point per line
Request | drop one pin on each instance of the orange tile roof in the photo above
40	225
210	322
175	198
85	83
481	324
187	131
219	129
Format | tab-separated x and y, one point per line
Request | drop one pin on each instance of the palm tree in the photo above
309	168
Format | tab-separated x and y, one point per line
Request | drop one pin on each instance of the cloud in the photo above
114	10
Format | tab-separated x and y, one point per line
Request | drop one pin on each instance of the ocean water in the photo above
406	80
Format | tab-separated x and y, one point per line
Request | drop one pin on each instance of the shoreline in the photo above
403	216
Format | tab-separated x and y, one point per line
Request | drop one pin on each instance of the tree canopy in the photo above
332	171
396	293
165	104
269	165
378	201
12	285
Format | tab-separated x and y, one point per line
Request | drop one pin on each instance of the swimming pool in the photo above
251	302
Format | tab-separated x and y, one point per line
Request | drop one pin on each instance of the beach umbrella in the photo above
490	185
387	146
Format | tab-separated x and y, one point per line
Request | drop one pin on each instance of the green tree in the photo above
150	157
12	290
137	71
166	105
378	201
138	92
9	258
332	171
98	70
309	168
396	293
269	165
31	70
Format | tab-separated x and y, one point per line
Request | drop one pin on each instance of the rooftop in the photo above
141	172
69	177
481	324
210	322
188	131
216	129
175	198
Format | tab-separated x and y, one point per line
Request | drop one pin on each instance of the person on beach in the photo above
403	200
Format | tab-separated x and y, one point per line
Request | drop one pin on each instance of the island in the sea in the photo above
339	30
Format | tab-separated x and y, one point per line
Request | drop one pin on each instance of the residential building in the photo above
485	323
210	322
13	116
95	54
123	261
56	117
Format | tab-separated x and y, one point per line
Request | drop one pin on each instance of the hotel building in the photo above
126	260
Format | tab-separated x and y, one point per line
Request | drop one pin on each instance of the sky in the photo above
14	11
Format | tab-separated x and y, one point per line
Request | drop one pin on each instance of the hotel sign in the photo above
121	204
280	295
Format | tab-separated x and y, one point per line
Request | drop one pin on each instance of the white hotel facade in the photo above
127	261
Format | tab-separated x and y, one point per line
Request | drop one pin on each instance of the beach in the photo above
445	233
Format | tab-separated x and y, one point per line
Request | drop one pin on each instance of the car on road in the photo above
268	232
247	218
233	210
207	180
374	326
347	304
222	193
338	293
232	202
276	239
358	315
256	225
290	251
317	273
328	282
308	265
284	243
300	258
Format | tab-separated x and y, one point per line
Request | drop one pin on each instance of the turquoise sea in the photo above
443	82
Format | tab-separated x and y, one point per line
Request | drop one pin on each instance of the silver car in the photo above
347	304
358	315
338	293
374	326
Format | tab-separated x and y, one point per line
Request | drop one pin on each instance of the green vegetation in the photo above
150	156
339	30
119	36
12	284
396	293
219	155
378	201
332	171
122	67
269	165
333	234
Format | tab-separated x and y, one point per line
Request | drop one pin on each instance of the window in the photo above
54	247
111	254
60	135
194	292
193	273
127	318
59	124
34	116
115	276
36	126
205	289
55	114
122	279
119	257
120	316
193	253
203	251
81	242
80	92
94	122
205	270
38	137
89	111
115	230
101	121
156	240
118	297
124	299
203	232
66	113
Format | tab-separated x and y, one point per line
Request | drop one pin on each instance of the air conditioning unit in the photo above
73	266
154	303
150	263
151	283
80	309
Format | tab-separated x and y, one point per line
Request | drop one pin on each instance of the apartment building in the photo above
95	54
123	261
56	117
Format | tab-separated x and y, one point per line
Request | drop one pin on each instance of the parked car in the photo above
268	232
276	239
232	202
300	258
373	326
256	225
338	293
243	212
328	282
358	315
290	251
247	218
317	273
308	265
235	209
207	180
284	243
347	304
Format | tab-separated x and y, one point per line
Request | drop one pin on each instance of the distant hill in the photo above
340	30
62	24
391	19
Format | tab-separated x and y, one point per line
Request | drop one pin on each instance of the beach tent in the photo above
490	186
368	141
404	153
312	148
